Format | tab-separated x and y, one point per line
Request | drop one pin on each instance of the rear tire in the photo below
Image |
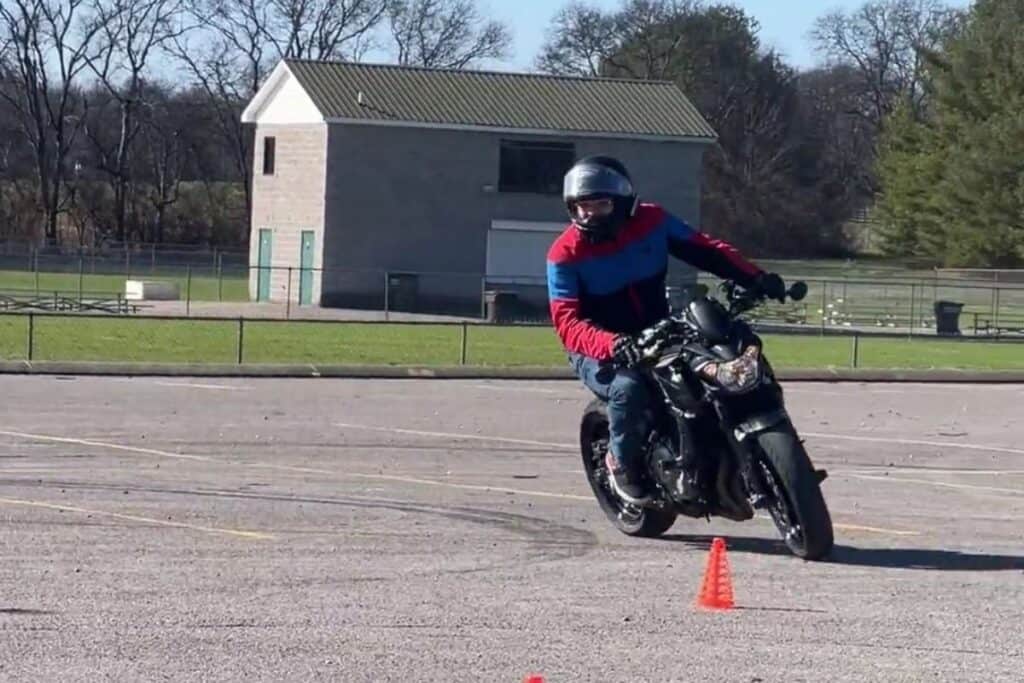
789	465
630	520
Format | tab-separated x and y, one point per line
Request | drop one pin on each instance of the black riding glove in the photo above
625	351
772	286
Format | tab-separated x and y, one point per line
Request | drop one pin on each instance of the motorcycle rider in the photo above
606	283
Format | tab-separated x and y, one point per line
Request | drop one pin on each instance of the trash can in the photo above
403	292
500	306
947	317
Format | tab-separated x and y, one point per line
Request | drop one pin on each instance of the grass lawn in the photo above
204	287
127	339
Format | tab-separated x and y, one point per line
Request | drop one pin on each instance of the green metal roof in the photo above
446	97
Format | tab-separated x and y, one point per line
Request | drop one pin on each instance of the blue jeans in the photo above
627	398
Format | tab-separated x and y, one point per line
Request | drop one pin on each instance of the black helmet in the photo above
599	177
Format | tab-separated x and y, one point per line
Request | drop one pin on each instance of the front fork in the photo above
741	436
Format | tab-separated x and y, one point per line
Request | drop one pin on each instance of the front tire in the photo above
630	520
799	509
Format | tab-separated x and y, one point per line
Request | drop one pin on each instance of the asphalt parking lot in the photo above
419	530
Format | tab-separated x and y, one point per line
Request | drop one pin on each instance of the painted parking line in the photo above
193	385
914	442
456	435
136	518
104	444
523	390
941	484
570	446
378	477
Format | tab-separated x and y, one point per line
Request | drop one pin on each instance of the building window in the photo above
537	167
268	156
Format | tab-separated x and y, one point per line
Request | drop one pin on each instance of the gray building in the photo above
433	186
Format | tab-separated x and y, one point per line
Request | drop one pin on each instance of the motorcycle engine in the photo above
665	465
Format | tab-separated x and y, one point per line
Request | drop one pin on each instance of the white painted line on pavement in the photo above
942	484
455	435
926	470
378	477
468	487
914	442
191	385
527	390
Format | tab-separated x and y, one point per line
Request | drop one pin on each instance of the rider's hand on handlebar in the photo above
625	351
772	286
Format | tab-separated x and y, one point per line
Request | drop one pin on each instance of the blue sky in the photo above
784	24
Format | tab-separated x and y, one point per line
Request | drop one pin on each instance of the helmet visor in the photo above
586	210
595	181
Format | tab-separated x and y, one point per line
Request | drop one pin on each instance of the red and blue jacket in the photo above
597	290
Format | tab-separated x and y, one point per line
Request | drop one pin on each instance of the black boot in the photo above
626	484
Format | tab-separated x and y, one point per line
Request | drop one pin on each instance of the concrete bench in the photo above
151	290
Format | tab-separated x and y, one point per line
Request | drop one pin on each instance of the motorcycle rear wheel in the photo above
630	520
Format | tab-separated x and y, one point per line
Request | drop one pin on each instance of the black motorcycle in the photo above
719	395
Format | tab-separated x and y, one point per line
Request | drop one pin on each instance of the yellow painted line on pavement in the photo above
255	535
382	477
105	444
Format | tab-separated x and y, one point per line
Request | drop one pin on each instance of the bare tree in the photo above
132	34
886	43
166	147
323	29
449	34
241	40
44	48
579	42
643	39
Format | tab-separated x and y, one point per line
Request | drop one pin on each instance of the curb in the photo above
466	372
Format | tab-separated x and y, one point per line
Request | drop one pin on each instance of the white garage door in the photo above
517	251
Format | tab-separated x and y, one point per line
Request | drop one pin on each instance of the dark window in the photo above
268	156
534	166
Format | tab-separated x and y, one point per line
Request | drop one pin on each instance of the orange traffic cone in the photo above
716	589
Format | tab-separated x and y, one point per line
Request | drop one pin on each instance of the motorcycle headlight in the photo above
738	375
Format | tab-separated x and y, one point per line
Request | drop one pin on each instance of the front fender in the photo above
759	423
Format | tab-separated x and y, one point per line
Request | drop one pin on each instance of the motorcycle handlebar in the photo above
741	301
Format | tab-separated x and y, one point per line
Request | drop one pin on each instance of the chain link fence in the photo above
212	283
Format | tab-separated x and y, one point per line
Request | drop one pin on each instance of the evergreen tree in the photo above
952	184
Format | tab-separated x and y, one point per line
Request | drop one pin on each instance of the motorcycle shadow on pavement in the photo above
887	558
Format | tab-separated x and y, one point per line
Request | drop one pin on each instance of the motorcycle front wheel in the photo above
629	519
798	508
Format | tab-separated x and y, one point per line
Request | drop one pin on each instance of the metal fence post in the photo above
387	294
288	296
483	298
81	278
855	351
241	337
220	277
31	335
188	291
462	353
824	304
995	315
913	296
